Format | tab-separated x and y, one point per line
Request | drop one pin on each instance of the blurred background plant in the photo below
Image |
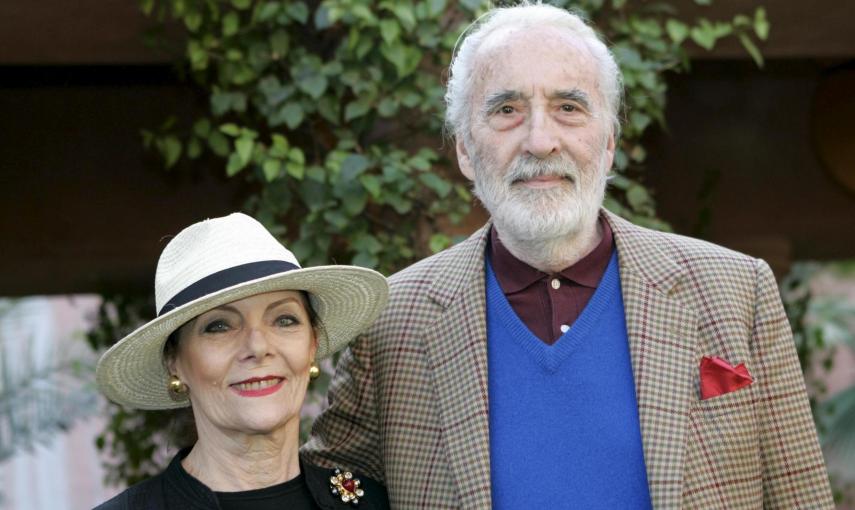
823	323
331	112
43	390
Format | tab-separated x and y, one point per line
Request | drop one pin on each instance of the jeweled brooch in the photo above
345	486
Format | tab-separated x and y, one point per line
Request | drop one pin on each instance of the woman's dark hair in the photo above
182	431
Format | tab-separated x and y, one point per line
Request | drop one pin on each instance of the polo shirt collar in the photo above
515	275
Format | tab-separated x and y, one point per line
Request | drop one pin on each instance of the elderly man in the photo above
562	357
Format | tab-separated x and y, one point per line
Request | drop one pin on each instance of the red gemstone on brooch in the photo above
345	487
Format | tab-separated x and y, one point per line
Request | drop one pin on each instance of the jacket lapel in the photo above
457	349
662	336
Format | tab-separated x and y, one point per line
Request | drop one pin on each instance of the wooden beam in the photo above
59	32
52	32
84	207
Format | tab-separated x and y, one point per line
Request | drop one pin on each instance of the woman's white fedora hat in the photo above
218	261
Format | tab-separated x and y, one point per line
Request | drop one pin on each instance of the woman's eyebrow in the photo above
280	301
227	308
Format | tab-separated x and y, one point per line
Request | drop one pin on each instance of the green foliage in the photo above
649	40
302	99
333	110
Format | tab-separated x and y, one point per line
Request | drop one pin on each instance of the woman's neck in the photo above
240	462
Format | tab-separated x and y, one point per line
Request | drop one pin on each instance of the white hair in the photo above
525	15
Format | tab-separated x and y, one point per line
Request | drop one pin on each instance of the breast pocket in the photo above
723	454
732	402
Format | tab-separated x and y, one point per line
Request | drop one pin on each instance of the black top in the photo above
293	495
175	489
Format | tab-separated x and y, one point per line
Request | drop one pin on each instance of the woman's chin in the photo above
260	420
267	425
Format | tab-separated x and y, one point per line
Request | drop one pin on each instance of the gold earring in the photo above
177	386
314	371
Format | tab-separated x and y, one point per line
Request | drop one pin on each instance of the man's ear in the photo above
610	151
463	159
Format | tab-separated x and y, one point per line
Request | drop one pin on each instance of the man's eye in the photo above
507	110
285	321
217	326
569	108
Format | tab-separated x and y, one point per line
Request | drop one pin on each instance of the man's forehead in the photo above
549	58
548	42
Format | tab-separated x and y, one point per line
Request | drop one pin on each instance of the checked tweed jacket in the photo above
408	403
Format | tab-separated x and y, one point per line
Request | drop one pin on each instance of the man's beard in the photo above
541	214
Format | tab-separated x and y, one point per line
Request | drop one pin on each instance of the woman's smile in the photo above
258	386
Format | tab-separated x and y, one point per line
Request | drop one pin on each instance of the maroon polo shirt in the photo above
549	303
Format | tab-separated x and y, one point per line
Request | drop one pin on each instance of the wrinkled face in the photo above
540	141
246	363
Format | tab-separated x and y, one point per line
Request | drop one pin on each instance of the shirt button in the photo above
564	328
555	283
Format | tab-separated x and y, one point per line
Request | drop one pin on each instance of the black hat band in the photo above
226	278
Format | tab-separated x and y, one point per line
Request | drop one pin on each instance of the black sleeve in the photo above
146	495
119	502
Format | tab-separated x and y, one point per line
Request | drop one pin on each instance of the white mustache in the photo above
528	167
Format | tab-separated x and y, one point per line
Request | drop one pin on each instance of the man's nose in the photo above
542	140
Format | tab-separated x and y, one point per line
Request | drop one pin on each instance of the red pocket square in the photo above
719	377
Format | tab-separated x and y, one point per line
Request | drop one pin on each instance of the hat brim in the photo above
346	299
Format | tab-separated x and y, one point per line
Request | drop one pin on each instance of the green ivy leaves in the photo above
649	40
297	96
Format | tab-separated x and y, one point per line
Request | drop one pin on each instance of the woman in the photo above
239	329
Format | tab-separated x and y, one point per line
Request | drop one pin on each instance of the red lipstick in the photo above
258	386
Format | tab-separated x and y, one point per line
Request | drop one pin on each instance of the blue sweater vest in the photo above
564	430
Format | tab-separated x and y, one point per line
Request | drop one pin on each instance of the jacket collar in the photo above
459	267
641	253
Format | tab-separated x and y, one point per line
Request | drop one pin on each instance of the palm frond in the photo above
41	393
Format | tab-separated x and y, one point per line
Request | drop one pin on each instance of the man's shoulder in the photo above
683	250
461	257
683	247
702	275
